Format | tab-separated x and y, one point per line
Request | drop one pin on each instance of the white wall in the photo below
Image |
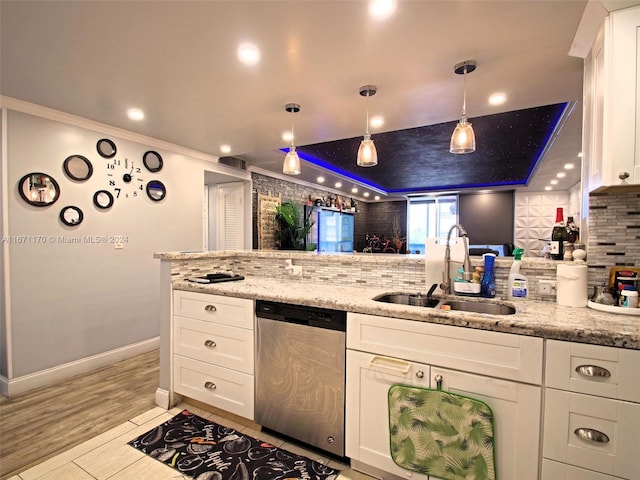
535	214
70	301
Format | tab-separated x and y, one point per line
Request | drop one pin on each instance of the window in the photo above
430	217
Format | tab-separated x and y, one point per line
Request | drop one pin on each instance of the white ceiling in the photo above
176	60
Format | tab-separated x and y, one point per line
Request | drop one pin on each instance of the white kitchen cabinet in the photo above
561	471
592	410
213	350
383	351
611	103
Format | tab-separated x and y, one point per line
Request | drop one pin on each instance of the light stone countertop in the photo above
534	318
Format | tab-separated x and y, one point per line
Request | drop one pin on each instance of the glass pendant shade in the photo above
291	165
367	154
463	139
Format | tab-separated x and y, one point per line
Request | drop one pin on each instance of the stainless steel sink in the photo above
479	307
415	299
419	300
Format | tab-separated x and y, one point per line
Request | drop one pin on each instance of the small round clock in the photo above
71	216
103	199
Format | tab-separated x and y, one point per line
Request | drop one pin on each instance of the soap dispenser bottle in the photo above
518	284
488	283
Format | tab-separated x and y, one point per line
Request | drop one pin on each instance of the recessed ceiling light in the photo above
569	166
135	114
377	197
553	182
366	194
248	54
376	122
548	188
287	136
561	174
225	149
354	190
320	179
338	184
381	8
497	98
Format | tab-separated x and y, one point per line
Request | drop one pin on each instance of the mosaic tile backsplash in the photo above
614	234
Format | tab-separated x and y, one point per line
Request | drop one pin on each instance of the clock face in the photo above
125	178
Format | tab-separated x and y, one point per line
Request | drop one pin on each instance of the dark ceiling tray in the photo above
216	278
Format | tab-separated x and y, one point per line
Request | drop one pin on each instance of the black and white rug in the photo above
204	450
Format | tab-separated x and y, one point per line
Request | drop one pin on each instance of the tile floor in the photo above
108	457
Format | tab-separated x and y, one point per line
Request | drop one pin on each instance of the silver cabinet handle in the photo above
592	371
438	379
210	308
591	435
209	343
420	374
210	386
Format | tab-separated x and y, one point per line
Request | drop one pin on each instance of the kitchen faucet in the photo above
446	275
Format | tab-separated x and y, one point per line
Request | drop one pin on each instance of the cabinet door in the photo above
592	432
516	409
367	413
560	471
621	138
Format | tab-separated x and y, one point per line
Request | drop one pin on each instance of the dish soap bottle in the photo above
488	283
518	284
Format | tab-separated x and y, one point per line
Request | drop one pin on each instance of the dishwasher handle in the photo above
394	365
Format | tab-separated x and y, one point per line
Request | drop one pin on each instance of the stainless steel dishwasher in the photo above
300	373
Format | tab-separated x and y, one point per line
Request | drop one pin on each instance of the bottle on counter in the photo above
488	283
518	284
629	297
559	235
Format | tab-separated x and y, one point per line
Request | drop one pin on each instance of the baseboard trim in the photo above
20	385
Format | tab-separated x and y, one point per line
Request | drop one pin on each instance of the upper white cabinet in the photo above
611	123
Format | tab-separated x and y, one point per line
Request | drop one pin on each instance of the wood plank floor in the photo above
40	424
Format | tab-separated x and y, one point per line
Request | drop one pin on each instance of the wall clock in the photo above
38	189
156	190
103	199
152	161
106	148
78	168
124	178
71	216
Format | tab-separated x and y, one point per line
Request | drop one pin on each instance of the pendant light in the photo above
367	155
291	165
463	139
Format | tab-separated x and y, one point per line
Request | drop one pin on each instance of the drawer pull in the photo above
419	374
392	364
210	308
209	343
210	386
592	371
591	435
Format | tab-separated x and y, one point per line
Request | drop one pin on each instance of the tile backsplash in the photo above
614	233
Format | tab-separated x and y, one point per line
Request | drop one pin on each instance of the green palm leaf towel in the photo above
443	434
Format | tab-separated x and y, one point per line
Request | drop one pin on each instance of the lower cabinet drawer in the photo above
591	432
561	471
221	345
216	386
